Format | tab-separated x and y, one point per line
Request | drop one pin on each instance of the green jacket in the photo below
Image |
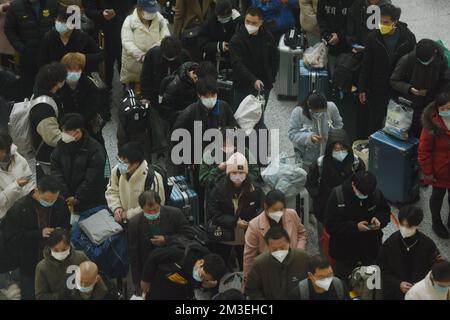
271	280
51	274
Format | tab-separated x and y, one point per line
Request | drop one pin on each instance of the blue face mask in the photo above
46	204
152	217
442	290
86	289
340	155
196	276
360	195
444	114
73	76
224	20
61	27
123	167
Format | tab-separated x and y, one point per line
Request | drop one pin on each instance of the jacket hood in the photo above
49	258
13	150
432	121
183	70
338	136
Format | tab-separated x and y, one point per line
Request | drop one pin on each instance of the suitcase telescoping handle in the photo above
404	102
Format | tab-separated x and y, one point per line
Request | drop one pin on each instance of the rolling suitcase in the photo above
394	163
184	198
288	75
311	79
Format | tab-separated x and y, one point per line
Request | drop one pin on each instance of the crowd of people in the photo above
174	68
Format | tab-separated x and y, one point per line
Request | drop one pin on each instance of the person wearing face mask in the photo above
53	271
321	283
420	76
274	214
277	272
355	214
309	126
406	256
28	226
15	175
233	203
142	30
78	163
65	38
155	227
383	48
433	158
435	286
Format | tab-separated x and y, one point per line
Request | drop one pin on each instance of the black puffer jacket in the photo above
25	30
94	10
327	173
79	168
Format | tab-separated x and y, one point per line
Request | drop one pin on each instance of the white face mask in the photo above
238	177
276	216
60	255
209	103
148	16
67	138
340	155
251	29
324	283
407	232
280	255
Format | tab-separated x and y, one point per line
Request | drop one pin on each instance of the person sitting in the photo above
233	203
309	126
321	283
435	286
129	178
155	227
406	256
53	271
277	272
274	214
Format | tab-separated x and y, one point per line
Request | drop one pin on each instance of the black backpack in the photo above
346	71
294	39
133	115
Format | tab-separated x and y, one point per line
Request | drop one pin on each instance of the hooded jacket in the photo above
327	173
52	275
10	191
434	148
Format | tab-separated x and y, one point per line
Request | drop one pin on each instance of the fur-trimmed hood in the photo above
432	121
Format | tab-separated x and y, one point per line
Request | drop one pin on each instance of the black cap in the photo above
223	8
365	182
425	50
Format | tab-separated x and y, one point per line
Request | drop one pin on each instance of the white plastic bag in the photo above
316	56
249	112
398	120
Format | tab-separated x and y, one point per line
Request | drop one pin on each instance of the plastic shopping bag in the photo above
316	56
249	112
398	119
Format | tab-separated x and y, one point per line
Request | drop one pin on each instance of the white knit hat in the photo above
237	163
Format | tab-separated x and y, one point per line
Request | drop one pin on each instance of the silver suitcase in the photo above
288	74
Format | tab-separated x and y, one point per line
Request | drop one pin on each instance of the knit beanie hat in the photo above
237	163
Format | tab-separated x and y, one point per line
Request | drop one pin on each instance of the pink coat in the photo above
5	46
254	236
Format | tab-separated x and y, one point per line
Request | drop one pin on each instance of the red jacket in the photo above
434	149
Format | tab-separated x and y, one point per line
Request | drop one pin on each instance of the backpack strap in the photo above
355	163
150	180
303	287
339	287
44	99
340	198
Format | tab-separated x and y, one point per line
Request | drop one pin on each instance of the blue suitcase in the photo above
311	79
185	198
394	163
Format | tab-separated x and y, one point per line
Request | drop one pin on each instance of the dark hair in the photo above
206	85
171	47
132	151
441	100
72	121
230	294
62	14
273	197
58	235
365	182
441	271
276	233
392	11
214	266
254	11
223	8
50	75
48	184
412	215
316	100
5	141
149	197
205	69
318	262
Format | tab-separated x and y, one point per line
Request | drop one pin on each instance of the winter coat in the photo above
394	261
327	173
377	65
347	243
25	31
257	228
80	169
308	16
245	56
10	191
124	193
136	36
94	10
104	289
301	129
332	18
277	16
22	232
173	224
424	290
155	69
434	148
271	280
53	49
189	14
52	275
5	46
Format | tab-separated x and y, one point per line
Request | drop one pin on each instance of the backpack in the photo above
346	71
358	283
134	116
303	286
19	122
355	165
